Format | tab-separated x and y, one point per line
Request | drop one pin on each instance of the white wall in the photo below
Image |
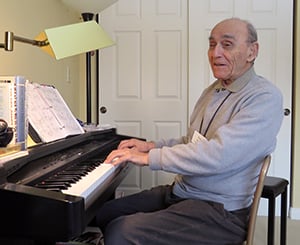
27	18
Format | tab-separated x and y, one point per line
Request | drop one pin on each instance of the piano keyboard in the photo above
86	187
81	179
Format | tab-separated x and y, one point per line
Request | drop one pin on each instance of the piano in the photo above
53	193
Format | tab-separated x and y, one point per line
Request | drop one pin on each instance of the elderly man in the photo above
233	127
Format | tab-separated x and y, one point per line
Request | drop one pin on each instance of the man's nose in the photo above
217	50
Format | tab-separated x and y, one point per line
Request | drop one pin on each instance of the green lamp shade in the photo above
74	39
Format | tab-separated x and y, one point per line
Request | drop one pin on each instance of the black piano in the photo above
34	198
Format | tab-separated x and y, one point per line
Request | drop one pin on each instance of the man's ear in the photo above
253	52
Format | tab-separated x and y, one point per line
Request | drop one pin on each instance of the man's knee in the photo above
128	229
120	231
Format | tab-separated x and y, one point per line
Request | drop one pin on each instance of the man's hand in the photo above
139	145
128	154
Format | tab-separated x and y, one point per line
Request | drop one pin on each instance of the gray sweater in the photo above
240	123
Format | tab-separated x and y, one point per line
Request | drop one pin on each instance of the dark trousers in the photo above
157	216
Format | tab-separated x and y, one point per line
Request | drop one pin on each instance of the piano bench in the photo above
273	187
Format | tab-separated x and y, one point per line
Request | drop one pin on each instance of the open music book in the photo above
48	114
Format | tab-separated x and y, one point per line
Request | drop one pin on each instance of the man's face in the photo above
230	53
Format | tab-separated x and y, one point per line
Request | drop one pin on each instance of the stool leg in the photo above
271	221
283	217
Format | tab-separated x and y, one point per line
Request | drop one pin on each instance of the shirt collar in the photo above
237	84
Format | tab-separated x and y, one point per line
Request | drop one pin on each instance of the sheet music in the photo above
49	114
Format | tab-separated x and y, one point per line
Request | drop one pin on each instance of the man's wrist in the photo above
151	145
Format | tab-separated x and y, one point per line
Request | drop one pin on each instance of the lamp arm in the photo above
30	41
10	38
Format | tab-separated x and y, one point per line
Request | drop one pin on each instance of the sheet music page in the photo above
49	114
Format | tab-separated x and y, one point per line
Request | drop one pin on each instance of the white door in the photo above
143	78
273	20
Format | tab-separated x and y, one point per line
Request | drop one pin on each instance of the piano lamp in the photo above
65	41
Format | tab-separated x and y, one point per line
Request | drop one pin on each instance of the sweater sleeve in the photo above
169	142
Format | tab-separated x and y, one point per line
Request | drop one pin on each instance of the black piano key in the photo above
47	186
89	163
63	183
83	169
80	173
65	178
53	189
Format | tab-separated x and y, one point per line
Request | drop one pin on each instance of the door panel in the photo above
144	76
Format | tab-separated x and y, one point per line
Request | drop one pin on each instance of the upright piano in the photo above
53	193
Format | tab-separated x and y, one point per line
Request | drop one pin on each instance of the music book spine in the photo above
21	110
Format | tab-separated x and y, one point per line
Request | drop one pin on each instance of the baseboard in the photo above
294	213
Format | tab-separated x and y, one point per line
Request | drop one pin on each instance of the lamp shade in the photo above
91	6
74	39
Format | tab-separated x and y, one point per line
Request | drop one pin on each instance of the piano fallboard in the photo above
30	212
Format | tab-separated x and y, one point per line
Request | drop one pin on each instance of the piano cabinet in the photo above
39	214
42	216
